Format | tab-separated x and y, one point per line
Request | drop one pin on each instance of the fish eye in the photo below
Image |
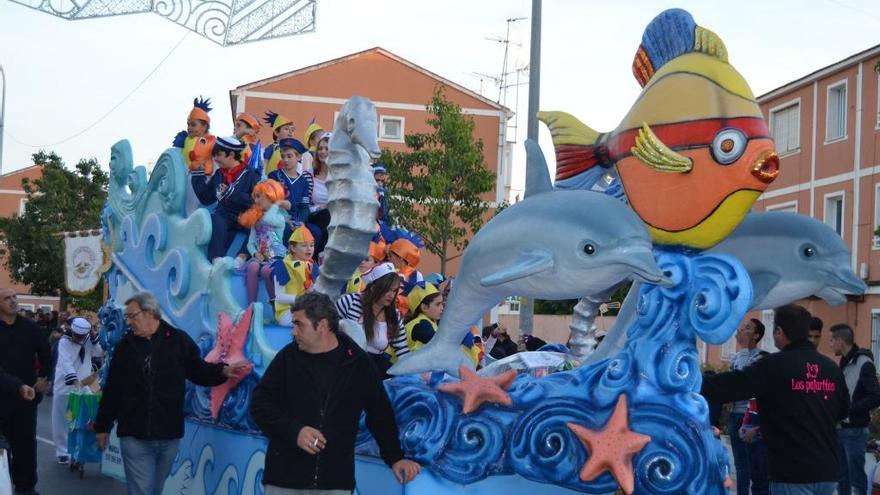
589	249
728	145
203	141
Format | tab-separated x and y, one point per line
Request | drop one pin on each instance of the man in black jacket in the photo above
860	374
309	403
21	345
145	390
801	395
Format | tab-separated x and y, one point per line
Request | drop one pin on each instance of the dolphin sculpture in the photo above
554	244
790	257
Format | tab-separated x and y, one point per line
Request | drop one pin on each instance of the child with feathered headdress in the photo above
295	273
282	128
196	142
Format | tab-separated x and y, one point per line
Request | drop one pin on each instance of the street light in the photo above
2	113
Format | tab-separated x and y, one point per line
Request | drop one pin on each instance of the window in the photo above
834	212
835	116
789	206
47	307
391	128
25	306
785	127
728	348
21	206
875	333
513	304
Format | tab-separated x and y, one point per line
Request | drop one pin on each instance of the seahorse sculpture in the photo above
352	194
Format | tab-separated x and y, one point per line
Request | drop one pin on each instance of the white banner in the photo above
83	258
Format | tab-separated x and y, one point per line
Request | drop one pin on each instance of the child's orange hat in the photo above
200	110
301	234
250	120
406	250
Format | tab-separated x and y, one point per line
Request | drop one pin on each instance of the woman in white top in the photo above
376	310
320	215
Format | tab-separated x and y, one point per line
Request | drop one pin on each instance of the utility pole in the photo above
526	306
2	113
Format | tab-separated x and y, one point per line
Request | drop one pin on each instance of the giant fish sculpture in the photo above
553	244
693	153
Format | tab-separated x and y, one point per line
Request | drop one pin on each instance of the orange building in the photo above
12	202
826	126
400	90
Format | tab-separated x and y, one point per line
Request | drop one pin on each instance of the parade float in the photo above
663	201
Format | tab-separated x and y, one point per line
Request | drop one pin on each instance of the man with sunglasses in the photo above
145	391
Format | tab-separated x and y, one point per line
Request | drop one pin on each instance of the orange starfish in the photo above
612	448
474	390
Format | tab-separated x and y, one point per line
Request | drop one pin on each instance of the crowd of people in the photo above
799	420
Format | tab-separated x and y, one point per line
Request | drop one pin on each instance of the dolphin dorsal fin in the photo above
523	266
537	174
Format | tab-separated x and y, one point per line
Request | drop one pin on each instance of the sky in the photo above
64	76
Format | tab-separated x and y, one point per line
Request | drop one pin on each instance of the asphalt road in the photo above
55	479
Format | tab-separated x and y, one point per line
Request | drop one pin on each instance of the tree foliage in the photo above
435	188
60	200
566	306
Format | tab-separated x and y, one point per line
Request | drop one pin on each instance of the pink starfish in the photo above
474	390
229	348
612	448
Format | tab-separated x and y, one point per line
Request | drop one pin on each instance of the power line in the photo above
112	109
855	9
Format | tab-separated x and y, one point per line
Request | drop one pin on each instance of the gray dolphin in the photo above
790	257
554	244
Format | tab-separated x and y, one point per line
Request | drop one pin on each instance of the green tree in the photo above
435	188
566	306
61	200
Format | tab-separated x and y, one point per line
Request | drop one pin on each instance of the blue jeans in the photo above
852	463
147	463
740	454
758	467
822	488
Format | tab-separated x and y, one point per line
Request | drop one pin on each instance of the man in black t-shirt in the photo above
801	396
309	403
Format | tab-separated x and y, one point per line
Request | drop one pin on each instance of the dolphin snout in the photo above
644	268
848	282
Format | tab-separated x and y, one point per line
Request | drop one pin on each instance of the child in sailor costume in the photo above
75	351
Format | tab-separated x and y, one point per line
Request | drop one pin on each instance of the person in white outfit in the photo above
75	351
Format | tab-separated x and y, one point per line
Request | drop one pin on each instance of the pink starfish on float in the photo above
612	448
229	348
474	390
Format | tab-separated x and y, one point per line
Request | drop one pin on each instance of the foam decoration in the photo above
475	390
791	257
229	348
612	448
692	154
352	193
588	242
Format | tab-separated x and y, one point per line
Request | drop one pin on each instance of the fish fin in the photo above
565	128
708	42
762	284
669	35
537	175
528	264
653	153
578	147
